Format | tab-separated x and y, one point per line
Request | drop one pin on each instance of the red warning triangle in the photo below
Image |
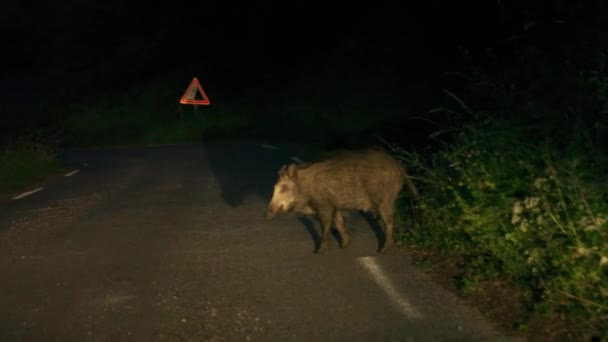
190	96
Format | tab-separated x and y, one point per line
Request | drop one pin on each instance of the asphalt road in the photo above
170	244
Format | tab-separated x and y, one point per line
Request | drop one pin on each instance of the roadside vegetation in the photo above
516	195
24	162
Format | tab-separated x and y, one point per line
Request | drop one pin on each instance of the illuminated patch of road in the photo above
27	193
386	284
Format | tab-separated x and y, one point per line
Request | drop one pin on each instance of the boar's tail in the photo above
413	192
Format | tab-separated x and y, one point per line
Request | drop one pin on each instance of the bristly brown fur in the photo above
368	180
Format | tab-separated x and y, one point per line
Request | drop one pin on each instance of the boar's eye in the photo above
283	189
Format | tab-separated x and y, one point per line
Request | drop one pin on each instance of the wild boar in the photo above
368	180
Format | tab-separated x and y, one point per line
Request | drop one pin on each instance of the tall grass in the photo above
523	202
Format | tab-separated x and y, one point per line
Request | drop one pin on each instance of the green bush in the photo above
516	207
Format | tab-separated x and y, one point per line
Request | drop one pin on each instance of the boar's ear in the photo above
282	170
292	171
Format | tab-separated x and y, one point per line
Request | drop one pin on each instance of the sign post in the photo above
190	96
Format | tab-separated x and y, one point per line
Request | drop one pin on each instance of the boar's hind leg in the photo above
339	222
326	216
387	215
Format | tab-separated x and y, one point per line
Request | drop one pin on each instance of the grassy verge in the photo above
124	125
25	162
521	202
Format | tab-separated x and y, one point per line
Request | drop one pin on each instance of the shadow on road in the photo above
244	169
314	230
310	226
377	227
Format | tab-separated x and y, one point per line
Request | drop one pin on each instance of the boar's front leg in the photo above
326	216
339	222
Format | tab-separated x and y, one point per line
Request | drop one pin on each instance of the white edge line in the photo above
70	174
27	193
269	146
297	160
385	283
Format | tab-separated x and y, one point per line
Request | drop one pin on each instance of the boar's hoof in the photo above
387	246
322	248
345	242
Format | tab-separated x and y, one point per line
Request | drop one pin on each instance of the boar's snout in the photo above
269	214
274	210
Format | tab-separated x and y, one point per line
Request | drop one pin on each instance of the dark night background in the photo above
58	54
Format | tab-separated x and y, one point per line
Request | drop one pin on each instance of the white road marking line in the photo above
27	193
385	283
269	146
297	160
70	174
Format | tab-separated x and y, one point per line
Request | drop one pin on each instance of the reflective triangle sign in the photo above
190	96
